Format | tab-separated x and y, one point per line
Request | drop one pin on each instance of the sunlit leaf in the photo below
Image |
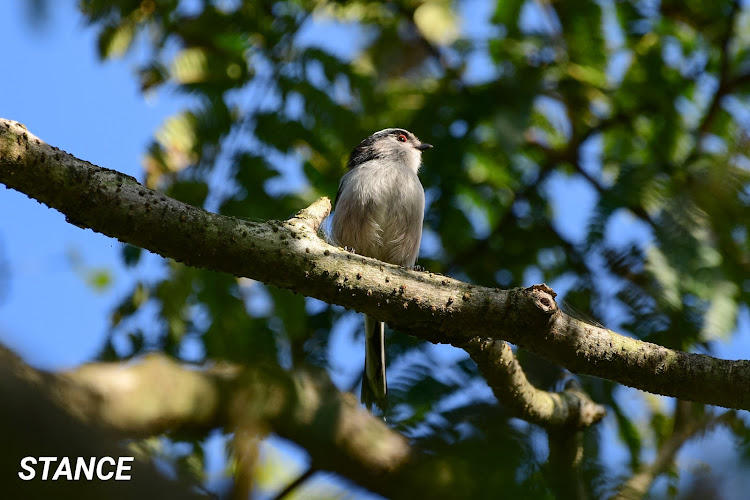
437	22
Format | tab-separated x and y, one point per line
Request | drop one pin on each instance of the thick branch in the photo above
301	407
35	427
290	255
336	431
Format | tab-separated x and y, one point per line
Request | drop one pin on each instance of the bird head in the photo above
390	144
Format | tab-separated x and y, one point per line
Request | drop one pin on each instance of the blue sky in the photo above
60	90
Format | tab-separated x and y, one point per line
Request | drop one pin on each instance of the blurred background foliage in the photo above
599	146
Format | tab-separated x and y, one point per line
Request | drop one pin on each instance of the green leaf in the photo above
115	40
131	255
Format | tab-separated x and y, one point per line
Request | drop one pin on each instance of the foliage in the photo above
640	105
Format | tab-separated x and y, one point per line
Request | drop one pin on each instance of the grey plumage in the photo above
378	212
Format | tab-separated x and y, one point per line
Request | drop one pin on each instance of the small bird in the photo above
378	213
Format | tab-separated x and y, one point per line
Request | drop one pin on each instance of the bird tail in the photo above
374	386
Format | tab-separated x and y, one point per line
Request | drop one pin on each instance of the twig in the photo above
684	429
294	484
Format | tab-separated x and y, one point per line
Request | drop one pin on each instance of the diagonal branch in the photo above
289	254
563	415
551	410
640	483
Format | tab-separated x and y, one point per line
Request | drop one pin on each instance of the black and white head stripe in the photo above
366	150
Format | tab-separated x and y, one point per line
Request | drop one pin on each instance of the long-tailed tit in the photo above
378	213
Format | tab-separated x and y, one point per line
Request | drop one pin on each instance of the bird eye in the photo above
401	138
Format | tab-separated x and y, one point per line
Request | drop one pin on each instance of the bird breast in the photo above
379	212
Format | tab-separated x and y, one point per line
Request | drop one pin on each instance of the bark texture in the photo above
289	254
122	400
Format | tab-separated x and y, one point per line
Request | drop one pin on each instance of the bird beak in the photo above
423	146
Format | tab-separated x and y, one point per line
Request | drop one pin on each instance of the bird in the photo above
378	212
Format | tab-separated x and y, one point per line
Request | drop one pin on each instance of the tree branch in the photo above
290	255
565	460
564	410
36	427
306	408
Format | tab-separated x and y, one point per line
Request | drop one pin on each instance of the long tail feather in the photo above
374	386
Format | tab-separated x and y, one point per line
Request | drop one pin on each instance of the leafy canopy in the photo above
534	108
